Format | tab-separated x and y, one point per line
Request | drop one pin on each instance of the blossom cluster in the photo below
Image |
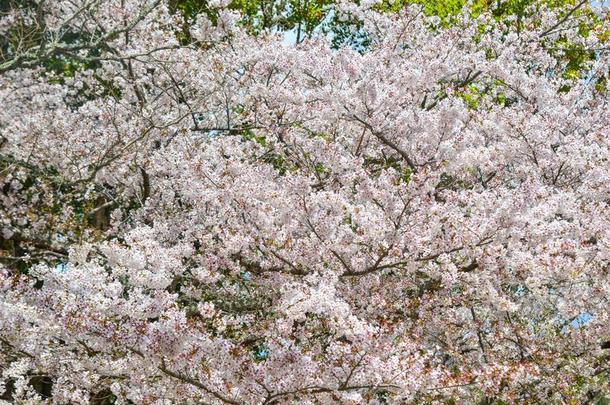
232	219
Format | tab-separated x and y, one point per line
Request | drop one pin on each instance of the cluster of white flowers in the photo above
239	221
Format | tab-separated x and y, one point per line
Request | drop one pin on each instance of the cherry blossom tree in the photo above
199	215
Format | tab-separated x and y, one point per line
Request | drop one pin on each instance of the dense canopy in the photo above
401	204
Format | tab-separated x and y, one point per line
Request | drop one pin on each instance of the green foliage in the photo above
260	352
249	135
348	33
62	67
303	16
190	9
377	166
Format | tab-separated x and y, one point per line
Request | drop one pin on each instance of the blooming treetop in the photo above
242	221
